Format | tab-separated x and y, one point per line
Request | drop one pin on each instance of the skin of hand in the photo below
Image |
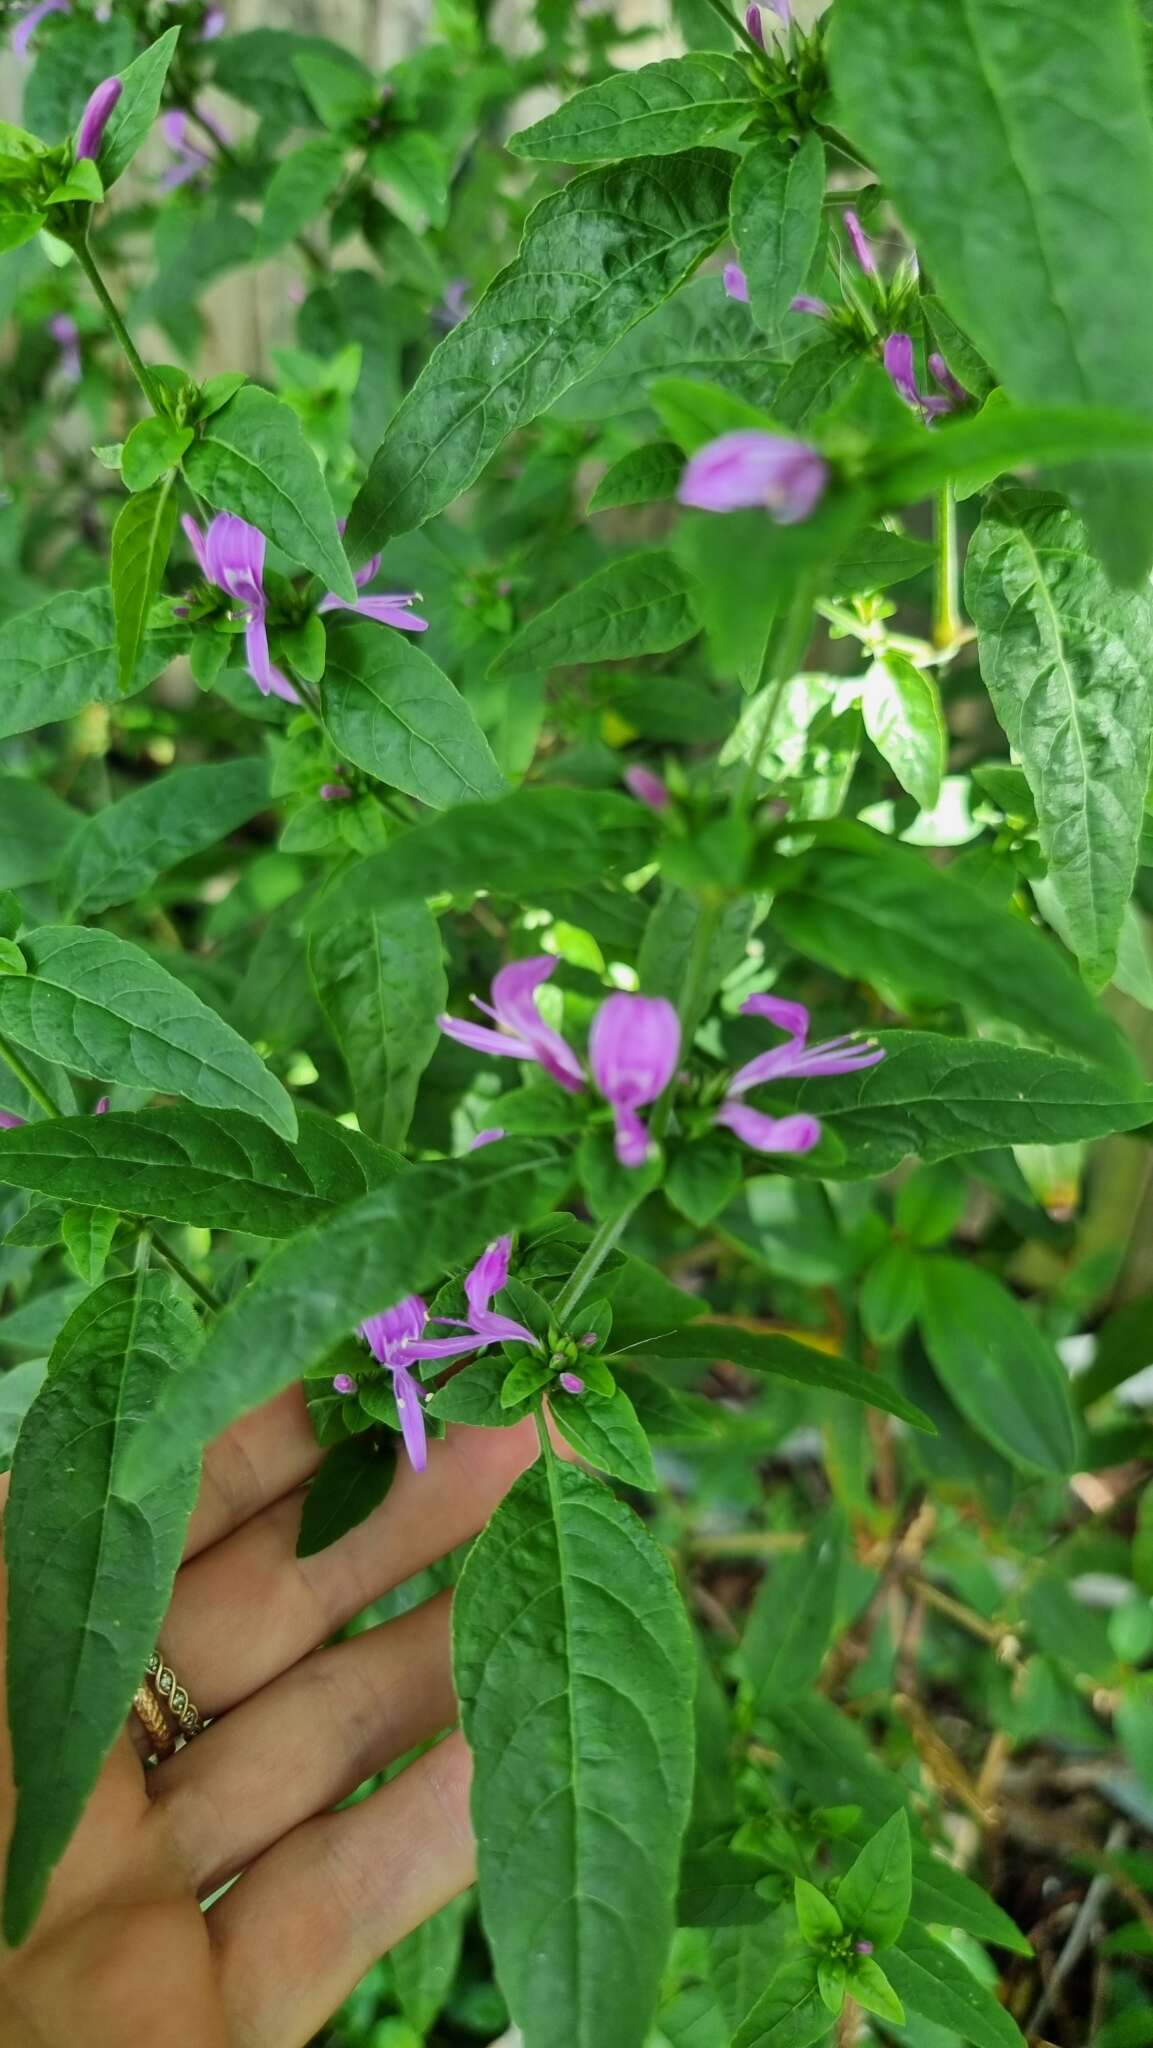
124	1947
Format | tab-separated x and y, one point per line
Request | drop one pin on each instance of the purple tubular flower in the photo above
334	792
749	467
490	1137
103	1106
805	303
66	335
572	1383
796	1059
647	788
391	610
231	555
634	1046
943	375
768	1133
343	1383
482	1325
521	1033
898	360
95	117
863	1948
392	1340
191	160
9	1121
754	24
862	247
736	283
28	23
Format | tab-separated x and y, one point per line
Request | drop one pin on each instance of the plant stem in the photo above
946	600
184	1272
116	321
27	1078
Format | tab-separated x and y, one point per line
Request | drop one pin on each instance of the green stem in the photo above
116	321
946	598
185	1273
27	1078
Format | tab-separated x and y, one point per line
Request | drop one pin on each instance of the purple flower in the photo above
392	1339
521	1033
572	1383
796	1059
805	303
452	308
231	555
489	1137
343	1383
862	247
783	11
634	1046
66	335
755	27
863	1948
214	24
191	160
334	792
95	117
28	23
391	610
943	375
647	788
898	360
736	283
9	1121
103	1105
482	1325
749	467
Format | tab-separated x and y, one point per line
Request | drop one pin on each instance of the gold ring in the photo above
156	1727
164	1682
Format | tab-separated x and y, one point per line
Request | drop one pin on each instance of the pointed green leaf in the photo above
645	476
153	446
791	1619
904	720
90	1562
931	1980
87	1236
119	851
1001	1371
803	1363
871	1988
776	219
58	659
300	187
349	1486
95	1003
382	985
574	1670
874	1895
639	605
134	116
607	1434
252	458
1066	660
817	1917
394	713
663	107
790	2014
141	543
596	257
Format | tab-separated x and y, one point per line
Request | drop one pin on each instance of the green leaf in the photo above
669	939
425	1963
90	1563
475	1397
696	333
645	476
1049	112
903	718
802	1363
154	446
973	452
933	1982
217	1170
35	830
638	605
351	1483
300	187
790	2014
882	914
890	1294
1066	660
134	116
936	1097
396	1240
703	1178
394	713
341	92
607	1434
87	1235
776	219
252	458
875	1894
119	851
530	841
382	985
60	658
95	1003
596	257
661	108
1003	1374
574	1669
19	1386
876	560
415	171
868	1984
817	1917
791	1619
141	543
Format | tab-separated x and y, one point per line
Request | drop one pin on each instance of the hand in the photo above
123	1952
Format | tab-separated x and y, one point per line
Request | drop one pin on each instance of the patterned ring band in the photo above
155	1724
164	1682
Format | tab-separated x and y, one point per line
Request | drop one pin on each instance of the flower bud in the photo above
95	117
